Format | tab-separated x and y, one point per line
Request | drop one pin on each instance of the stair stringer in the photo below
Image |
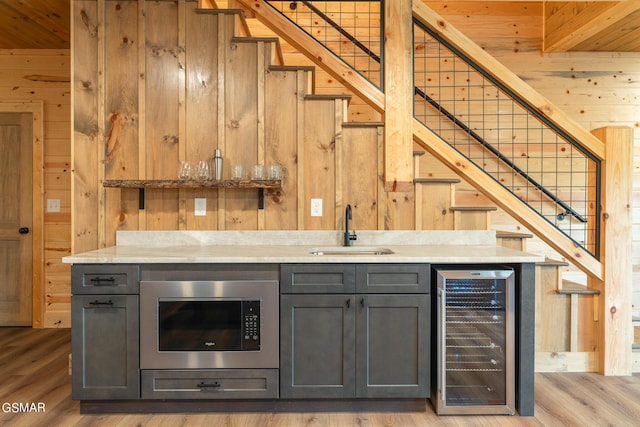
506	200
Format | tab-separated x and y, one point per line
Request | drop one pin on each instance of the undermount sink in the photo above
350	250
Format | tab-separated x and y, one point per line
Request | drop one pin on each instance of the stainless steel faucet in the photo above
348	237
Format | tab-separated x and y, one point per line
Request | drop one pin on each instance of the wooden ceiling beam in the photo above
569	23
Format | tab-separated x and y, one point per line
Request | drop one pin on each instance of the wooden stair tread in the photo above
218	11
316	97
503	234
548	262
292	67
472	208
569	288
252	39
362	124
437	181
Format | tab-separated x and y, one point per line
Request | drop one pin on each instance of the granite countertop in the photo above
444	247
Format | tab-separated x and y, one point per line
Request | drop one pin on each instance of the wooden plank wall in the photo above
188	88
596	89
44	75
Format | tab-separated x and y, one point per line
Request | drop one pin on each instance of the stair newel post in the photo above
398	71
615	251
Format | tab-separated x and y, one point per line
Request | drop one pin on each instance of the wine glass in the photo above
202	171
184	170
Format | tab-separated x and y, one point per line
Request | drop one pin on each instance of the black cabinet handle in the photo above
349	303
103	281
23	230
362	302
209	387
98	303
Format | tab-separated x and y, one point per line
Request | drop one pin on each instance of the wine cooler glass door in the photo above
476	339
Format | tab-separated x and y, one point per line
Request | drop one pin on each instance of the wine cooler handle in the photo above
442	386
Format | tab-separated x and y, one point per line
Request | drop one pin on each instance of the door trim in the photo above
36	109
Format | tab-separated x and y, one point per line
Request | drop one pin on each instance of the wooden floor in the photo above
34	369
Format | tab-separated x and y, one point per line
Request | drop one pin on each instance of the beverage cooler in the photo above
475	342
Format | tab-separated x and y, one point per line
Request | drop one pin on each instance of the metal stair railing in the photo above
333	24
507	138
470	110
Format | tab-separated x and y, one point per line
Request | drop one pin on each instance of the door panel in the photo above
15	214
317	358
393	345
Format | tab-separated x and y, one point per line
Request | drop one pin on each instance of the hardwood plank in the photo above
360	170
281	138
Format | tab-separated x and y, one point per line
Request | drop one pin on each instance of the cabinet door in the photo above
317	346
393	345
317	278
393	278
105	347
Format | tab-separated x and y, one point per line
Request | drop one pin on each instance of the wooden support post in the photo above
398	73
615	251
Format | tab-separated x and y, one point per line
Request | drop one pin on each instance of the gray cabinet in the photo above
105	333
392	345
347	345
317	346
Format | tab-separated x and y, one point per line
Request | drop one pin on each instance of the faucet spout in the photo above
349	237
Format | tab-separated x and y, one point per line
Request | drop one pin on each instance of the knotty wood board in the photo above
86	134
122	119
360	182
434	212
241	136
162	86
281	130
319	163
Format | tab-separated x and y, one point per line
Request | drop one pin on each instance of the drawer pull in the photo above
103	281
215	386
98	303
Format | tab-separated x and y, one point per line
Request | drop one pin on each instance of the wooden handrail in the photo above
319	54
505	76
502	197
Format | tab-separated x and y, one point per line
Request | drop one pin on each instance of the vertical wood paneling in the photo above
201	119
121	114
319	163
86	134
162	89
163	75
281	131
241	133
360	169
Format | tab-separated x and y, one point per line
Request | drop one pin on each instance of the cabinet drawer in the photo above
210	384
317	278
105	279
393	278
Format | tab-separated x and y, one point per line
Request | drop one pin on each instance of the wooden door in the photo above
15	219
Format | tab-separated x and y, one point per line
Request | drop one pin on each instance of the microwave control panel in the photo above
250	325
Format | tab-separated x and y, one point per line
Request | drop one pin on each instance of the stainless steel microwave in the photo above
209	324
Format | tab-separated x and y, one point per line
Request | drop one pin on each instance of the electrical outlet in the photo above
53	205
200	206
316	207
